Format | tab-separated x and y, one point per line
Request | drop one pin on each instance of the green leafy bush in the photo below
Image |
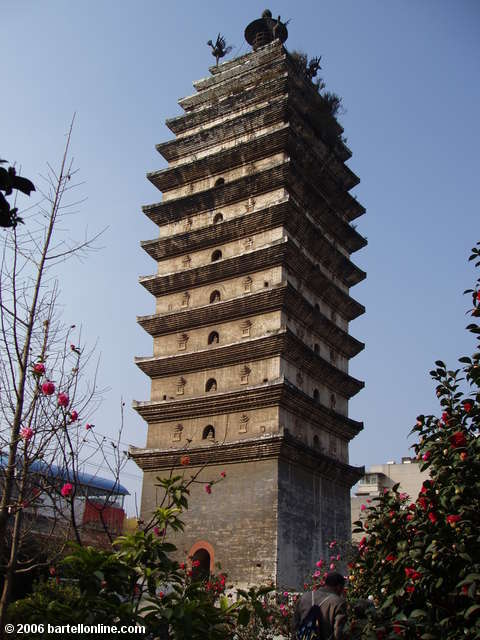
419	559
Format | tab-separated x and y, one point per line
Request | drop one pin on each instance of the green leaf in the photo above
418	613
244	617
475	608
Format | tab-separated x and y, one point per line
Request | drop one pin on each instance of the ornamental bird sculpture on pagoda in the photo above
219	49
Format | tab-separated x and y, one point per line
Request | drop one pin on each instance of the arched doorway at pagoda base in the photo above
201	552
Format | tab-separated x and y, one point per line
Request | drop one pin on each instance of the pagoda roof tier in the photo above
275	111
315	163
282	175
282	297
236	84
283	446
279	253
285	213
249	151
248	99
285	344
236	67
276	393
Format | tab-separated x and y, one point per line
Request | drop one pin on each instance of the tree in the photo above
44	397
420	559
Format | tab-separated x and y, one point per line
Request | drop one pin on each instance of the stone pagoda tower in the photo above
251	342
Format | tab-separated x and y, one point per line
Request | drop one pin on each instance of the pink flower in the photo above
363	507
332	566
73	416
182	565
332	544
89	426
319	563
26	433
426	455
158	532
67	490
317	574
39	368
208	488
432	517
403	496
52	571
223	474
452	520
48	388
62	400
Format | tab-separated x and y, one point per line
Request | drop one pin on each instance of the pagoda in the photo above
251	343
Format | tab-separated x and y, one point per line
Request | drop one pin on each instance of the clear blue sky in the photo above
409	76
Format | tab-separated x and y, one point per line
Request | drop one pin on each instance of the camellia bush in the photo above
419	557
140	583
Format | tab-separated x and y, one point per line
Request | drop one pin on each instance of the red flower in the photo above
426	455
73	416
195	563
223	474
467	405
189	573
432	517
66	490
182	565
478	296
208	488
89	426
184	460
412	506
26	433
410	516
158	532
390	558
398	629
62	400
458	439
39	368
412	574
52	571
160	594
410	588
48	388
423	502
452	520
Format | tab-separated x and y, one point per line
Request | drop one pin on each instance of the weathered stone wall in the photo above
228	332
232	288
227	378
238	519
232	174
320	439
228	249
306	383
228	427
313	510
205	218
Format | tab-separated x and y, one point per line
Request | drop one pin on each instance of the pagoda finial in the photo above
265	30
219	49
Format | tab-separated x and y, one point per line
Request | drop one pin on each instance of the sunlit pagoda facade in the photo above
251	343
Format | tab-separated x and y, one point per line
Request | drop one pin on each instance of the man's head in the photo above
335	582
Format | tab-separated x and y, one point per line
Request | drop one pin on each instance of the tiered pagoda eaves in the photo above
251	346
